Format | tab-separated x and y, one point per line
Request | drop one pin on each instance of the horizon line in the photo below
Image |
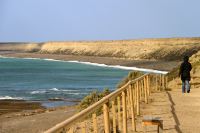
107	40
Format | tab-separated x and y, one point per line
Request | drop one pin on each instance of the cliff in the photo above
154	49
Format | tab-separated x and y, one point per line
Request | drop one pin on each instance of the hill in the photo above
145	49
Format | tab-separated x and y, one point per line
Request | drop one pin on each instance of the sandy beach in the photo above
149	64
34	121
19	116
10	106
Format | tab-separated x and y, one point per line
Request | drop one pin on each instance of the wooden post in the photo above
106	118
160	86
135	96
132	108
124	112
149	81
156	82
145	90
163	82
119	113
128	102
83	127
133	93
138	100
129	99
114	117
140	90
94	118
148	86
166	82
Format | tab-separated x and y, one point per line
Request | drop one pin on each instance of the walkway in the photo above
180	112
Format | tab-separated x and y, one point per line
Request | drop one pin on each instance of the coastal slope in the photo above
167	49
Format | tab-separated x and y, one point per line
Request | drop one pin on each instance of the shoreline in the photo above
32	120
136	65
12	106
9	106
97	64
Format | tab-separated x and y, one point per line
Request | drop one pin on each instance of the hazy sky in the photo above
60	20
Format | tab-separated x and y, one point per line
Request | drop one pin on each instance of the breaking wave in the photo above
10	98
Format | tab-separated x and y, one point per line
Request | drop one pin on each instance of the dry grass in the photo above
170	49
158	49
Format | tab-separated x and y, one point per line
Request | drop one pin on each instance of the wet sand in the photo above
10	106
34	121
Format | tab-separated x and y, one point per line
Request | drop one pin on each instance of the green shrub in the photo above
95	96
92	98
131	76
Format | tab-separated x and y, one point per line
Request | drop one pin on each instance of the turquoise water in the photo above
37	79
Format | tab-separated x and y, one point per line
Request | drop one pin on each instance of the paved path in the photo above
180	112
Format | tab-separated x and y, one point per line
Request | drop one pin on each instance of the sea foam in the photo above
54	89
68	91
38	92
122	67
10	98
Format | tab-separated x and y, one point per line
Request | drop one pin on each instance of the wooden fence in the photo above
112	112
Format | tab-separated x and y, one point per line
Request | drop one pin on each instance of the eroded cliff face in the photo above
150	49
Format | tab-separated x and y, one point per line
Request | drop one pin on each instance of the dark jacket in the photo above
185	69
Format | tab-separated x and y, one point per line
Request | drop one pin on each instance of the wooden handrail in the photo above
101	103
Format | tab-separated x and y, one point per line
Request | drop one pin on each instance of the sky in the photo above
73	20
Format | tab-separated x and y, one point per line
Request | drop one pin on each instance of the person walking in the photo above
184	73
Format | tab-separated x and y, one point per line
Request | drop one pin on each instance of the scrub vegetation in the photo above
96	95
153	49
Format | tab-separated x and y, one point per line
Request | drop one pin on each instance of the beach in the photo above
9	106
33	120
148	64
19	116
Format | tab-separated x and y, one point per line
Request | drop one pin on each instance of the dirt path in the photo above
180	112
186	110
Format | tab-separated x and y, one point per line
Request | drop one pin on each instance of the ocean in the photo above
45	79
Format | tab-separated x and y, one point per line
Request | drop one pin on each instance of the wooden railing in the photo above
112	112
